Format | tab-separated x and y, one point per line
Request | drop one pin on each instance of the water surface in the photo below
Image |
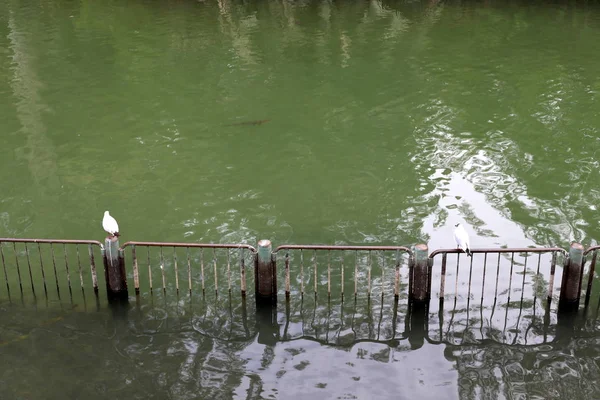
388	122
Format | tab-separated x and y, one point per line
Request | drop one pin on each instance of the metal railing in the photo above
318	268
189	260
39	255
522	252
590	279
368	259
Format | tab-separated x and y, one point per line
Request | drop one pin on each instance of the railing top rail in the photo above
51	241
196	245
357	248
502	250
588	251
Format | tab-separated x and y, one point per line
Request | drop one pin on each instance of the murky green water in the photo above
381	123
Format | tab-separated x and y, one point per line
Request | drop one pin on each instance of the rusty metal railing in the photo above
512	251
594	251
398	250
200	260
37	253
42	262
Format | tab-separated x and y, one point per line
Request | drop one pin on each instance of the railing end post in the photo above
420	271
570	290
114	269
265	272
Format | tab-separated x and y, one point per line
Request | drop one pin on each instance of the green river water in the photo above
304	122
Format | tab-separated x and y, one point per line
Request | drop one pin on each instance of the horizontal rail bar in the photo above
52	241
502	250
588	251
197	245
353	248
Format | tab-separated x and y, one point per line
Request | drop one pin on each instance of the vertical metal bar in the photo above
202	270
315	275
512	263
356	274
470	276
483	281
443	277
42	269
215	270
342	278
243	272
176	270
17	263
287	274
93	268
149	268
228	272
497	276
54	266
397	276
162	270
524	274
535	294
456	282
189	265
67	266
382	273
552	271
301	272
136	271
29	266
329	273
591	275
369	274
4	267
79	266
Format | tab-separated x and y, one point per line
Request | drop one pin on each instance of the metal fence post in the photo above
570	289
114	269
265	272
419	274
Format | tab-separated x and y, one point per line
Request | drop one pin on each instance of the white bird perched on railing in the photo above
110	224
462	239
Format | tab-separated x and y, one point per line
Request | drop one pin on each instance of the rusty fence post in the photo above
419	293
570	290
114	269
419	279
265	272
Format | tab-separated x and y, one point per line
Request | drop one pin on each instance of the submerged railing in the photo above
53	259
346	256
398	271
522	253
206	265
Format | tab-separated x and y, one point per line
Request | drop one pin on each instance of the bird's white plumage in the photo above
110	224
462	239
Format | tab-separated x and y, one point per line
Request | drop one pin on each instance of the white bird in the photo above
110	224
462	239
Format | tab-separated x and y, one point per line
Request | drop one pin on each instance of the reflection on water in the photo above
220	346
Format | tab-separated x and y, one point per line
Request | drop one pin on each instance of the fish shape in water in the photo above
250	123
